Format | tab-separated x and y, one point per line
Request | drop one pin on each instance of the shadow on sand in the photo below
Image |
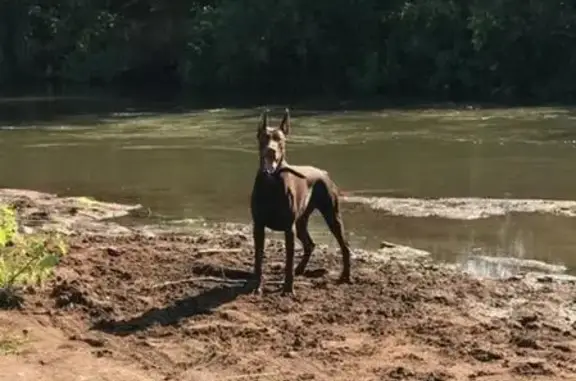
200	304
203	303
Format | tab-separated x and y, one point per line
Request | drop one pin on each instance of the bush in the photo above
458	49
25	259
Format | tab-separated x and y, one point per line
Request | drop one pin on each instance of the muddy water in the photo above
187	164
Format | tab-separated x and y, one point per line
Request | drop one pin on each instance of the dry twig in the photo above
238	282
252	375
214	250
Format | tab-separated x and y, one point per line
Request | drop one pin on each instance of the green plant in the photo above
26	259
10	345
8	225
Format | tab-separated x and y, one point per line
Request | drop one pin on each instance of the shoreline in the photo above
84	216
154	303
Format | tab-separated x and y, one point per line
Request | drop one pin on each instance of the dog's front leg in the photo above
259	235
288	288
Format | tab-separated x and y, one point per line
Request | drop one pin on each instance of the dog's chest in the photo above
272	202
270	192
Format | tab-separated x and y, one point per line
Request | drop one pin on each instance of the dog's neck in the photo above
283	166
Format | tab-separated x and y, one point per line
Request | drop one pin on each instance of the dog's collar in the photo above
283	168
276	172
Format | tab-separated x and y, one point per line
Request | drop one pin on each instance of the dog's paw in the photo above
344	279
257	291
288	292
254	287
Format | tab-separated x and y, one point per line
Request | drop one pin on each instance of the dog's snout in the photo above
270	152
270	159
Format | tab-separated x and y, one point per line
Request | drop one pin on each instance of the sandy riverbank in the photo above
149	304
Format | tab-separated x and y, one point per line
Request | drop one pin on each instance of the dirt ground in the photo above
164	306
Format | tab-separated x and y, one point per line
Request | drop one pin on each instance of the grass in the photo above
24	259
10	345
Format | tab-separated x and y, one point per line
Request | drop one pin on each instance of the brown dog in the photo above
283	198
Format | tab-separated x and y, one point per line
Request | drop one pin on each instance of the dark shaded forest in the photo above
449	49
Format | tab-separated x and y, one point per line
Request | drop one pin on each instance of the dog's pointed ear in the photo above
263	122
285	124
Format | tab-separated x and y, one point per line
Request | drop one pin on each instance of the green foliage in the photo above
456	48
10	344
8	225
26	259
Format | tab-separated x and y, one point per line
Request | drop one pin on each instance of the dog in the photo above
283	197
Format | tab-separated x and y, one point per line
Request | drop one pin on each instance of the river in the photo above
187	163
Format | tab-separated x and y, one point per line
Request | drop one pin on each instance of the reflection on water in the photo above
202	163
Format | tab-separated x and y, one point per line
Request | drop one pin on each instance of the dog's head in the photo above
272	143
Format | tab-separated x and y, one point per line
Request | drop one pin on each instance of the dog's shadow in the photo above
203	303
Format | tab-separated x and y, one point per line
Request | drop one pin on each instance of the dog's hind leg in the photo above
330	209
308	244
